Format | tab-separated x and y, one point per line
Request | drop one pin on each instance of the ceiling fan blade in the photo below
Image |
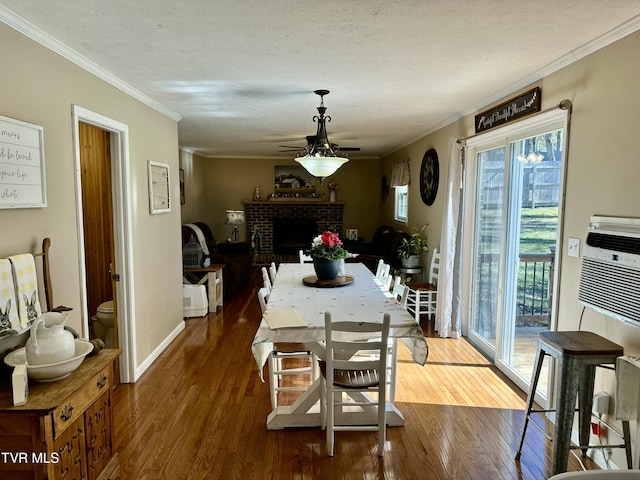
347	149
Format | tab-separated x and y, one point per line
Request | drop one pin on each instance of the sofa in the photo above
235	256
383	246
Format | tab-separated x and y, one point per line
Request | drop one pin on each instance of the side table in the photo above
213	278
404	271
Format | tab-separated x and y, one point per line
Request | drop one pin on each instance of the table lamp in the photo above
235	218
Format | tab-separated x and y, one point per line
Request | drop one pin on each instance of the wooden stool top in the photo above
581	343
422	286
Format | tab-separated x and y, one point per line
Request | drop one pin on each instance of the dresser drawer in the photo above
75	405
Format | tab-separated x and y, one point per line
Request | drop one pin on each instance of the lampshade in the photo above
235	217
321	166
320	159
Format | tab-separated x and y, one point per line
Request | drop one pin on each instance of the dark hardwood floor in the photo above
199	412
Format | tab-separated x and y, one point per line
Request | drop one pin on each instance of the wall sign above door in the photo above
523	105
22	180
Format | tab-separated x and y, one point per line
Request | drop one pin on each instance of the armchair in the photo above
383	246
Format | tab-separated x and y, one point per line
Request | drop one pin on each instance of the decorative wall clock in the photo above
429	176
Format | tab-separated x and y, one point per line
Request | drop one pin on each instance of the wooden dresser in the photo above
65	430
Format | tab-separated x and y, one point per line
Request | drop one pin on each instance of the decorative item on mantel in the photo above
410	249
257	196
333	186
328	255
296	197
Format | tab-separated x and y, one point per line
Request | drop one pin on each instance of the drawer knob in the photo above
66	412
102	381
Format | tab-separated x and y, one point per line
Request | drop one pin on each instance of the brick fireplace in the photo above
273	218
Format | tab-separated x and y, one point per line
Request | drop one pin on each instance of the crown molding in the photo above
627	28
26	28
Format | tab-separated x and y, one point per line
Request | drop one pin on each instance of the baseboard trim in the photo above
158	351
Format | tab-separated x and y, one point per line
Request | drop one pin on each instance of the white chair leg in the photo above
330	420
392	371
323	404
273	379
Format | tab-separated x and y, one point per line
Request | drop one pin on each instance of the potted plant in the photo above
411	248
327	251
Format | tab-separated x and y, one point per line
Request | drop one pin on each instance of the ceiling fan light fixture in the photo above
321	166
320	159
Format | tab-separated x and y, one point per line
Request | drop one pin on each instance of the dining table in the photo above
354	297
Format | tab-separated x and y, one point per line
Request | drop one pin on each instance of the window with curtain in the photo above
401	208
400	178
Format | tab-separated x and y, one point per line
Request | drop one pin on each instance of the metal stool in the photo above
577	355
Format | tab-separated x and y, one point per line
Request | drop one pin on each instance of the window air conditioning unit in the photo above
610	274
194	301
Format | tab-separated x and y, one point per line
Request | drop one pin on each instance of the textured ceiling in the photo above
241	74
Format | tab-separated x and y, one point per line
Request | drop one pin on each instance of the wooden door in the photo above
97	211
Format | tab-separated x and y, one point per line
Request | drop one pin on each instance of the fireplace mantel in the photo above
287	201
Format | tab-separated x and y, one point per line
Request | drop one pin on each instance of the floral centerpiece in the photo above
327	251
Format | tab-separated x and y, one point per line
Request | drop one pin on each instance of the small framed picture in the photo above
352	234
159	191
182	198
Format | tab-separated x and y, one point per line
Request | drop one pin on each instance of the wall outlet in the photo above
573	249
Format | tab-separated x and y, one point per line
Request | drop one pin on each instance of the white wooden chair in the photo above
266	281
383	276
400	293
354	379
283	353
423	296
273	271
379	268
263	298
304	258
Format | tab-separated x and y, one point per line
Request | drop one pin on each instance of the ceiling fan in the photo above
310	141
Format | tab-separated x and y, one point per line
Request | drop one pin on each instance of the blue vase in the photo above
326	269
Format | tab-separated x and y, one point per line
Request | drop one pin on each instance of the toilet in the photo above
103	323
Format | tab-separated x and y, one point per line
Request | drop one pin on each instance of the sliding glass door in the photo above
514	188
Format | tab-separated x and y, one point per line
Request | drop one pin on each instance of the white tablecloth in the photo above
360	301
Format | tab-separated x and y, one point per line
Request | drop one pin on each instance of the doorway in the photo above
112	136
515	185
97	215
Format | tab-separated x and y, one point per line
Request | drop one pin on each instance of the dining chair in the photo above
400	292
281	357
379	268
304	258
266	280
383	276
263	298
341	379
273	271
423	296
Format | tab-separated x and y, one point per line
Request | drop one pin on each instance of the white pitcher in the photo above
49	342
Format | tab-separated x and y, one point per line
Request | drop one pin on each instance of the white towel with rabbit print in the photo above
9	321
26	278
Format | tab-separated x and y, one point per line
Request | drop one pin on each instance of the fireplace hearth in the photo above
293	234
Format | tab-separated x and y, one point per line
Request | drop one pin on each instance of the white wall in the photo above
603	172
40	87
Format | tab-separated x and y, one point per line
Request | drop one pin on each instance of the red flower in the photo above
331	239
